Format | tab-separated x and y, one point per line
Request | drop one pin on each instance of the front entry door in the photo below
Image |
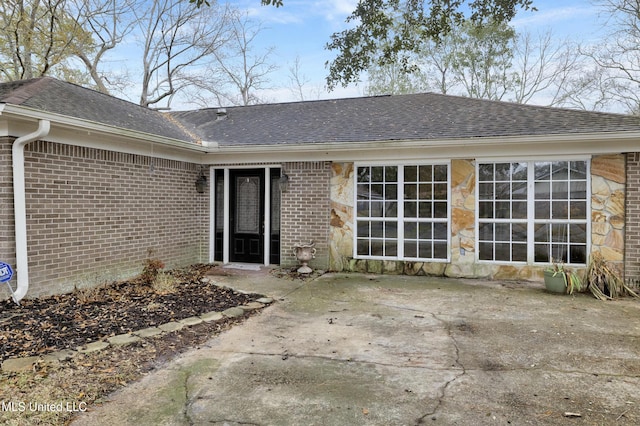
247	216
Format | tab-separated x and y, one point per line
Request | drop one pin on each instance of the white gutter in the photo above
20	209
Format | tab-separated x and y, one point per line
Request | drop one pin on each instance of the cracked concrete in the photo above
396	350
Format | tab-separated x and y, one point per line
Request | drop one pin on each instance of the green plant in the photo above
604	281
572	280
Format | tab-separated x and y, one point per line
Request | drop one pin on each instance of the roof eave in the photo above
64	121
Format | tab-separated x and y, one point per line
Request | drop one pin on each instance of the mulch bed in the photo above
45	325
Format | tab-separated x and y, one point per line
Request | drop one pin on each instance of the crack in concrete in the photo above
443	389
187	400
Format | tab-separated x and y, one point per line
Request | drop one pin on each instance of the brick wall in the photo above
305	213
632	214
92	215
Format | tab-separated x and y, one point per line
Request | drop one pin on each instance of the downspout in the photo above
20	208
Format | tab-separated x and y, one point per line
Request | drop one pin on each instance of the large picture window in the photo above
533	212
402	212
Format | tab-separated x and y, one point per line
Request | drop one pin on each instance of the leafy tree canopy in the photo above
384	29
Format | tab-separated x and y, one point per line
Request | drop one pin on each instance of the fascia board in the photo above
495	147
89	126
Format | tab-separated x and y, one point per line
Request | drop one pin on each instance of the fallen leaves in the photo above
67	321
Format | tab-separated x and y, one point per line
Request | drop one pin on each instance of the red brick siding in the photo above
632	214
93	214
305	213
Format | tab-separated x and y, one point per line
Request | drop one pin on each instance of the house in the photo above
417	184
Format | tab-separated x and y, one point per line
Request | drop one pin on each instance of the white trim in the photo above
212	214
401	219
226	231
226	216
530	220
266	229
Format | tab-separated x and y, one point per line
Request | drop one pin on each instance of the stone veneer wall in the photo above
607	229
92	215
304	211
632	234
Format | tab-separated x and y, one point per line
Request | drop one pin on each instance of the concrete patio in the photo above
353	349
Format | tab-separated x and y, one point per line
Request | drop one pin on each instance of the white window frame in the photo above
401	219
531	220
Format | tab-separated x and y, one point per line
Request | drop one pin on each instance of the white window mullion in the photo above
531	212
400	218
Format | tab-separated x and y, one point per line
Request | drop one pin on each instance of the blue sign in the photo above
6	273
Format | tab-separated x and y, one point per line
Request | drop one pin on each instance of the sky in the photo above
301	29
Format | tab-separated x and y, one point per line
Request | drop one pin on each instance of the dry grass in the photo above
87	379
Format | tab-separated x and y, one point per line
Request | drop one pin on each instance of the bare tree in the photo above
240	69
618	57
109	22
37	37
177	39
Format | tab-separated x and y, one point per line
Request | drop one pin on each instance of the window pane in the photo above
391	248
440	191
363	229
439	250
519	191
503	231
410	173
426	210
363	209
377	174
485	172
410	209
486	210
485	251
440	231
377	209
440	210
559	210
391	209
543	191
577	253
363	174
578	233
411	192
377	191
363	247
519	232
578	210
391	192
391	174
519	253
440	173
391	230
542	171
578	190
485	191
377	247
503	210
426	191
503	172
560	191
377	229
426	231
542	253
503	252
410	230
410	249
519	210
578	170
543	210
503	191
519	171
425	249
541	233
485	231
426	173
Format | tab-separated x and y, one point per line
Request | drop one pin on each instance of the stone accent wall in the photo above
608	207
608	218
305	212
632	233
93	215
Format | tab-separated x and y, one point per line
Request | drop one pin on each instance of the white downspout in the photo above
20	207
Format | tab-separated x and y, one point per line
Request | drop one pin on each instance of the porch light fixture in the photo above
283	182
201	183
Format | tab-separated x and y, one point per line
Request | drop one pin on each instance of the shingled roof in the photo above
424	116
59	97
